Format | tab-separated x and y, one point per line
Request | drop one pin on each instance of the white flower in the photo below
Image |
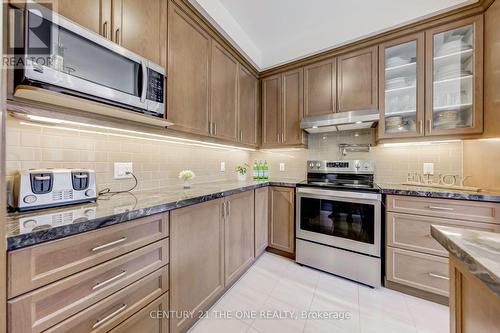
186	175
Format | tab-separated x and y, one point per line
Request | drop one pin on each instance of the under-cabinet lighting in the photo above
422	143
489	139
50	122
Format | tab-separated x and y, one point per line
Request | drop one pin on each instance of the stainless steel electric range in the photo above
338	220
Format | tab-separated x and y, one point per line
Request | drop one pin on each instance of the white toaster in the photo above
40	188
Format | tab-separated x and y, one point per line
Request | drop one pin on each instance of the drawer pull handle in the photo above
99	322
439	276
100	247
103	283
441	208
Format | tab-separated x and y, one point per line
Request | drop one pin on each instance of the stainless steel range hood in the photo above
342	121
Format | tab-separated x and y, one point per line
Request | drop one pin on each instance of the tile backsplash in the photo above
157	163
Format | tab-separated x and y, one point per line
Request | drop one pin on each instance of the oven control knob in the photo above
318	165
357	166
366	166
311	165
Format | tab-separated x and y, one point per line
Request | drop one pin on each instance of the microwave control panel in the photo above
155	86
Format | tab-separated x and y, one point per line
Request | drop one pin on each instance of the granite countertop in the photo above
479	251
22	229
432	192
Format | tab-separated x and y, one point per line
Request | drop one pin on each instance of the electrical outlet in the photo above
222	166
121	169
282	167
428	168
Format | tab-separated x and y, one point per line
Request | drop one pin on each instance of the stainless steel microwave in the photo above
62	56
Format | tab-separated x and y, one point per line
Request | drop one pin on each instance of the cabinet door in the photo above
292	107
188	73
454	66
271	110
239	235
247	105
140	26
224	78
401	82
282	219
261	220
320	88
357	80
196	260
86	13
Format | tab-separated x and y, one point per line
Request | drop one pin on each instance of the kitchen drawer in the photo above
47	306
475	211
142	321
38	265
111	311
418	270
413	232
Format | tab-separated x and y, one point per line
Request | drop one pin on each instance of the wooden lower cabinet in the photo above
196	260
261	220
282	219
239	235
151	319
474	308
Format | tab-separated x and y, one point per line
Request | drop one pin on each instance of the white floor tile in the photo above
428	317
275	283
288	323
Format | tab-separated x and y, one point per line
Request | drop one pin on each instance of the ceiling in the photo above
272	32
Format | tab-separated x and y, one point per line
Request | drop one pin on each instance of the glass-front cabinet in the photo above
402	87
454	78
431	82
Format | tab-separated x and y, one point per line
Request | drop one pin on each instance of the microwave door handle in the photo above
144	81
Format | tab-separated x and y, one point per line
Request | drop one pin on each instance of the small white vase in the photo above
187	184
242	177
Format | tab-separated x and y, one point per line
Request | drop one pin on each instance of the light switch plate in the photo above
282	167
428	168
222	166
121	169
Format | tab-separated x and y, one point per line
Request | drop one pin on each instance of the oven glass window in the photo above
348	220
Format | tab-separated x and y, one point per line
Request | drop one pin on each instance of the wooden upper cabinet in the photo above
141	26
248	106
401	87
94	15
292	105
320	88
357	80
271	110
282	221
239	235
224	94
454	78
196	260
189	49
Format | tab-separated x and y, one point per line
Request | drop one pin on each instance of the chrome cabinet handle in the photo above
215	128
99	322
241	135
103	283
224	209
100	247
210	127
438	276
283	137
440	208
117	36
278	139
229	208
421	127
105	29
429	125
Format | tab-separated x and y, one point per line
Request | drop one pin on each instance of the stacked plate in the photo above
396	61
397	82
450	71
453	45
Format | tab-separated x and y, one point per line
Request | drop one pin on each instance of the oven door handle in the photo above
340	194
